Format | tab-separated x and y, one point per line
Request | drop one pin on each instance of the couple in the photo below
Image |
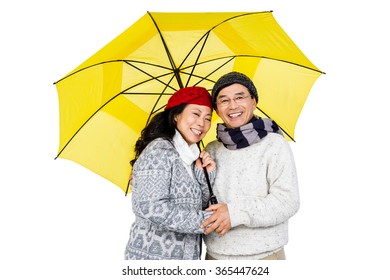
250	166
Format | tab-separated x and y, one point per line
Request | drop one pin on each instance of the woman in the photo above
169	188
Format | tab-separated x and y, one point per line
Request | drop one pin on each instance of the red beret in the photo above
190	95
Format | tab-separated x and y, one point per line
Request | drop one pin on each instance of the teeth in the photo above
234	115
196	131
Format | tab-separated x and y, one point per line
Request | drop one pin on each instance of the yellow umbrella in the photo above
106	101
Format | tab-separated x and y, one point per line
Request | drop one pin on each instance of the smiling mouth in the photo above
235	115
195	131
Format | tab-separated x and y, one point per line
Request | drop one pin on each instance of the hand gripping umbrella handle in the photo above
213	198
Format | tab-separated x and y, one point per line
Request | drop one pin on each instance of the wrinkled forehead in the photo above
232	91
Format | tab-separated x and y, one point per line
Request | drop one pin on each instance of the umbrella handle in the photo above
213	198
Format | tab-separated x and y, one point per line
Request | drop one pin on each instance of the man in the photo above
256	182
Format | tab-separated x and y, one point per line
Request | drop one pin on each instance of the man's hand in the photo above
219	221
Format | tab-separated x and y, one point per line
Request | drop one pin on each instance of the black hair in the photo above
162	125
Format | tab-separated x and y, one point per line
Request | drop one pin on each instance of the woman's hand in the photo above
205	160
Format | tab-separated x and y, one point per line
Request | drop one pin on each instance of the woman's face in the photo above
194	122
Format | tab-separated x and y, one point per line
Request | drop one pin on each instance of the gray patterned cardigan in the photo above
167	203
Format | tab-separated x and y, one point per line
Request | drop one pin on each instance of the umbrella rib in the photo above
112	61
153	77
258	56
112	98
285	61
82	69
197	58
249	14
205	40
74	135
175	69
226	20
160	94
276	123
90	117
123	92
204	43
147	63
216	69
237	16
155	103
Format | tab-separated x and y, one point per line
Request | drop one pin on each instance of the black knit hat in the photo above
233	78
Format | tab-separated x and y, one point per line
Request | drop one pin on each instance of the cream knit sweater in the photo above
259	185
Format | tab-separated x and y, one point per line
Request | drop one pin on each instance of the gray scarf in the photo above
246	135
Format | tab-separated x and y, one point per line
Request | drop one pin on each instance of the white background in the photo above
58	220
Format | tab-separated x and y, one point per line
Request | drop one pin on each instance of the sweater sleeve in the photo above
151	198
282	200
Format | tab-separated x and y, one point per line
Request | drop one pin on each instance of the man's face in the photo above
235	105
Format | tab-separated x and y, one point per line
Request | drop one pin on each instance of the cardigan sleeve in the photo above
151	197
282	200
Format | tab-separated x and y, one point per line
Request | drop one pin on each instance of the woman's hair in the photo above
162	125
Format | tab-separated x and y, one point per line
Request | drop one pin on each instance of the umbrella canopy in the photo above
106	101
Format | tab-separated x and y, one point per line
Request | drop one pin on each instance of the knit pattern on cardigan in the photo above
167	203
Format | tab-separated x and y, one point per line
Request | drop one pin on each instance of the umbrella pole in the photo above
213	198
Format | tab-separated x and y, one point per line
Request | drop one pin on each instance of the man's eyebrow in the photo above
224	95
